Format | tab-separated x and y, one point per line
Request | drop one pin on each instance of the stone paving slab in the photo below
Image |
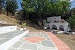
7	36
34	41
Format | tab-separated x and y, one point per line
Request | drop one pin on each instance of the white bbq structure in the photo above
56	23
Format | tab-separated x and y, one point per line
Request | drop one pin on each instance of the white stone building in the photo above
56	23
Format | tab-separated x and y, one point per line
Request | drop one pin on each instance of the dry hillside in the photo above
9	19
14	21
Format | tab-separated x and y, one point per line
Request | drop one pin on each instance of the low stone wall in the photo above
6	29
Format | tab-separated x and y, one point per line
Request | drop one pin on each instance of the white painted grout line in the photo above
20	46
21	41
52	42
7	44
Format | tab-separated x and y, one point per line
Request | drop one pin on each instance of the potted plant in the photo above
24	26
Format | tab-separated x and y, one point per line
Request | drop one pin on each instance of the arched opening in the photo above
48	27
61	27
54	27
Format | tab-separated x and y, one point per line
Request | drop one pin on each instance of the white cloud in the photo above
71	0
68	0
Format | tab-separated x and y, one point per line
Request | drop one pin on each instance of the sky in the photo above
19	1
72	4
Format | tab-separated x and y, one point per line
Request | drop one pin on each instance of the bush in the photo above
23	25
71	20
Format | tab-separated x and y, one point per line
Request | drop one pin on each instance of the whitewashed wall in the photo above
7	29
65	25
55	18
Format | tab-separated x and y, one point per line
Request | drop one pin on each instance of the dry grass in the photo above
68	39
31	29
9	19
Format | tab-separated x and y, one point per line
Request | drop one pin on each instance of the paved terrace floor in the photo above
7	36
39	41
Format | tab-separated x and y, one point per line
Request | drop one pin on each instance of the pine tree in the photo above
11	6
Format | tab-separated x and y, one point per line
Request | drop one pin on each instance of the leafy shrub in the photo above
71	20
23	25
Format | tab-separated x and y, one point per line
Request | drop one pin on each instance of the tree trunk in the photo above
7	13
0	11
72	28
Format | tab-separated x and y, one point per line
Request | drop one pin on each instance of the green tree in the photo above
71	20
11	6
1	4
42	8
72	11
